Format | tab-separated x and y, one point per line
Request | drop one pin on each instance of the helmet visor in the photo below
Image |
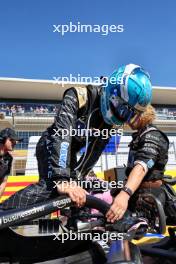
123	111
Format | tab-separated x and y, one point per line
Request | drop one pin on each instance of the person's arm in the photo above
120	203
60	139
76	193
151	146
3	186
136	177
60	147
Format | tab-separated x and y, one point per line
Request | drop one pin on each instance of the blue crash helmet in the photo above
125	95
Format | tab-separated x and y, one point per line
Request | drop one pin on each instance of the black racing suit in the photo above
56	153
149	147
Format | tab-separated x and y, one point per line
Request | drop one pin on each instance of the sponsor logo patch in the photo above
62	203
63	154
150	163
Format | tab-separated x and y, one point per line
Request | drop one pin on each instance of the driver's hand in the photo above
118	208
75	192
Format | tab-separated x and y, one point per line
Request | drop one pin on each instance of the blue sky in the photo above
30	49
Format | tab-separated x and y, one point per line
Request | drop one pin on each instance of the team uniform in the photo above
6	157
149	147
57	155
5	166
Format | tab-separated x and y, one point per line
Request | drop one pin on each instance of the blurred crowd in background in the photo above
10	109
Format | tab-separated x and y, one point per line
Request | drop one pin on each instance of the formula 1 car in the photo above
38	241
25	240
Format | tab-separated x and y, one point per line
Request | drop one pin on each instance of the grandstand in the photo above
29	106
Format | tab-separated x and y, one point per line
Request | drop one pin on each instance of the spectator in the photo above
8	140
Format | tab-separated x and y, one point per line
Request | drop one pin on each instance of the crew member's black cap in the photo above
9	133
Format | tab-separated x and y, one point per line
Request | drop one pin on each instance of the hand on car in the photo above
118	207
75	192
